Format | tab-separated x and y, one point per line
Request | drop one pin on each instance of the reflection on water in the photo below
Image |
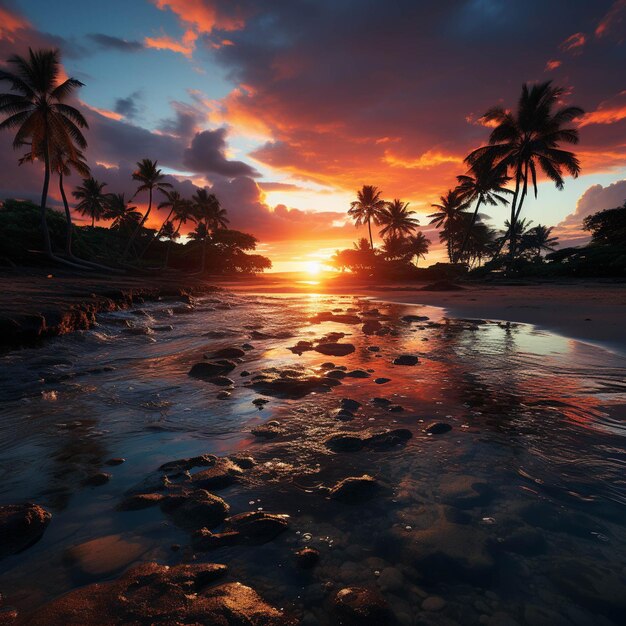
494	516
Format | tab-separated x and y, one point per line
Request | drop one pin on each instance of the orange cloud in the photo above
10	23
429	159
203	15
613	19
112	115
574	43
552	65
608	112
184	47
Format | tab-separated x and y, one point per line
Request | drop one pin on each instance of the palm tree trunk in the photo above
369	227
513	203
44	200
169	244
156	235
515	212
138	229
68	218
203	264
93	220
469	230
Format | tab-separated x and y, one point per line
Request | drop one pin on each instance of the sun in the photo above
313	268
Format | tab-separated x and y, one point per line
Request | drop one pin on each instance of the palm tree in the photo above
540	239
172	199
485	185
449	217
210	213
184	212
417	246
92	201
396	219
394	247
149	178
367	208
125	218
529	140
36	107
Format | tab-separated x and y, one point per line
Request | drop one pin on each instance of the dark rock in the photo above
208	369
344	442
381	401
247	347
342	414
290	382
223	395
406	359
204	460
327	365
371	326
388	438
338	374
350	405
438	428
244	373
21	525
373	348
258	526
139	501
97	480
415	318
267	431
157	594
396	408
306	558
355	489
357	374
229	353
381	380
357	606
115	461
260	402
221	381
301	347
335	349
245	462
222	474
196	509
328	316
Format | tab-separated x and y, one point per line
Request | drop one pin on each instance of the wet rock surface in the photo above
335	349
357	606
152	593
355	489
406	359
291	382
208	369
21	525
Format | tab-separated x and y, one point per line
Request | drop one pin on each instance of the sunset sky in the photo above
286	107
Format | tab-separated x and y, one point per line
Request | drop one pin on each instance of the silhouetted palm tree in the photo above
92	200
484	184
529	140
172	198
36	107
449	218
396	219
150	178
367	208
540	239
184	211
394	247
125	218
417	246
210	213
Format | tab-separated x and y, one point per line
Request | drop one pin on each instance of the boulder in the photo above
21	525
195	509
222	474
406	359
355	489
306	558
357	606
344	442
335	349
208	369
437	428
229	353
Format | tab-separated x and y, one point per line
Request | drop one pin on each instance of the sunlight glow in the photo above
313	268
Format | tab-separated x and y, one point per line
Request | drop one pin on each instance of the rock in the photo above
223	395
448	551
152	593
290	382
355	489
229	353
350	405
342	414
357	606
344	442
183	309
244	373
371	326
335	349
221	381
21	525
592	584
267	431
222	474
391	579
381	401
382	380
139	501
396	408
415	318
195	509
245	462
437	428
247	347
373	348
260	402
357	374
208	369
301	347
433	604
204	460
406	359
338	374
328	316
104	556
388	438
116	461
306	558
97	480
258	526
465	492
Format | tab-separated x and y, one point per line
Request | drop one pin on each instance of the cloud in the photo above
270	186
128	107
553	64
108	42
614	21
206	15
608	112
574	43
596	198
206	155
164	42
10	24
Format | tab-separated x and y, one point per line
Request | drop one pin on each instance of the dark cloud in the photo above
206	155
129	106
108	42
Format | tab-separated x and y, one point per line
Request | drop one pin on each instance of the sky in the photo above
284	108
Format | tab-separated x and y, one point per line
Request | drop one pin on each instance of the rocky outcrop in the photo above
21	525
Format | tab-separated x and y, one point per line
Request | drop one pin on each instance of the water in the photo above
538	428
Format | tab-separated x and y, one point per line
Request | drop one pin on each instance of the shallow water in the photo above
538	423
